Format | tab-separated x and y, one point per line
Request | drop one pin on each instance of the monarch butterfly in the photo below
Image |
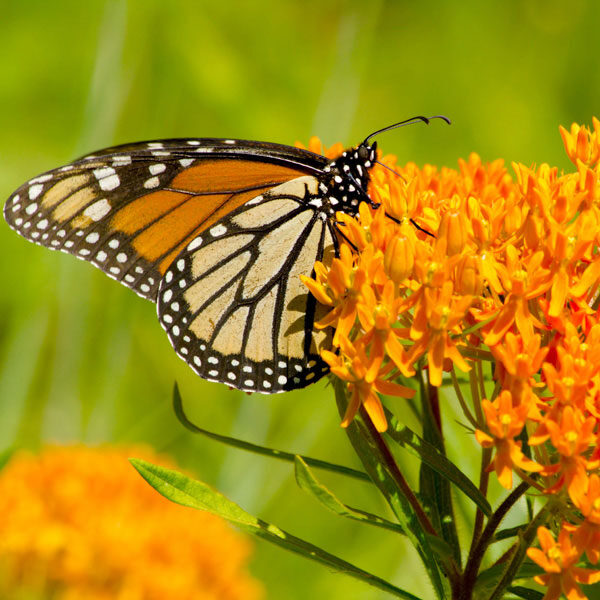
217	233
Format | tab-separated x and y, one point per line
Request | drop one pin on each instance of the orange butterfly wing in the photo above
130	210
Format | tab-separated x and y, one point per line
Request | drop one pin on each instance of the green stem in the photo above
479	548
461	399
484	478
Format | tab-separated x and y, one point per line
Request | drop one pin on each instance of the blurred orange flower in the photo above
79	522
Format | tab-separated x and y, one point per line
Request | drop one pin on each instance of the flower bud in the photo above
399	258
469	281
453	229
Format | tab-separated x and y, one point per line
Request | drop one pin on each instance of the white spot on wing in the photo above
98	210
109	183
218	230
151	183
104	172
157	168
41	178
195	244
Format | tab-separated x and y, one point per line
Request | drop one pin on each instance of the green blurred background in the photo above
84	359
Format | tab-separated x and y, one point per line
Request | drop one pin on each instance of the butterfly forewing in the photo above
233	304
130	210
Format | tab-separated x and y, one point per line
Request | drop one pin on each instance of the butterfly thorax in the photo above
345	180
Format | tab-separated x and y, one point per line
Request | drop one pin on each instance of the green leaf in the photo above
490	576
308	483
429	454
509	532
188	492
249	447
526	593
382	469
441	547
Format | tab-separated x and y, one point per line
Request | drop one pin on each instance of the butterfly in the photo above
217	232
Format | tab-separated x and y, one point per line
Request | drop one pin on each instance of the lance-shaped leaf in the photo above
308	482
526	593
255	448
188	492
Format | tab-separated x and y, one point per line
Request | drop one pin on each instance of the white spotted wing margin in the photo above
233	304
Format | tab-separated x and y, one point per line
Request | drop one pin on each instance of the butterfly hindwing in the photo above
232	302
130	210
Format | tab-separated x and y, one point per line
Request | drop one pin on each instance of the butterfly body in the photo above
216	232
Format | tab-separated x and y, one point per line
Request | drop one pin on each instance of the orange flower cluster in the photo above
80	522
511	275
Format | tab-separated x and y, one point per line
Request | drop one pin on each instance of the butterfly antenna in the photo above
390	169
410	121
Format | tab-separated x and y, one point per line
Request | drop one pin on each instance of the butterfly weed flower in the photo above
495	268
559	560
505	421
79	522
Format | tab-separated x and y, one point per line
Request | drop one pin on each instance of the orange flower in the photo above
581	144
315	145
505	422
521	362
524	280
571	434
340	287
353	366
588	533
558	559
512	263
81	523
377	317
437	316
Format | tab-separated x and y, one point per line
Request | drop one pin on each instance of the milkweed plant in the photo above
486	284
